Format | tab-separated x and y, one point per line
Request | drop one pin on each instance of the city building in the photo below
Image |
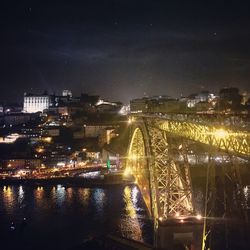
139	105
93	131
51	131
203	96
21	163
106	135
31	131
69	105
67	92
108	107
16	118
12	108
155	104
36	103
125	110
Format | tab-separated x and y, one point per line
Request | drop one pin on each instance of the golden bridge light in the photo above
198	217
133	157
221	133
235	141
137	161
165	188
127	172
177	214
130	120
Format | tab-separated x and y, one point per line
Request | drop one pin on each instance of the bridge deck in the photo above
234	141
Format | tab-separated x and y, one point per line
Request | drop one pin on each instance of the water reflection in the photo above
130	226
20	196
60	194
69	213
83	195
99	198
135	193
39	196
8	198
69	194
247	195
21	192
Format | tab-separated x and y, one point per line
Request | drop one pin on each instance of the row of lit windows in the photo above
30	105
37	100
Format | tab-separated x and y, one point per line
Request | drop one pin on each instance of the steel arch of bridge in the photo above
165	188
165	185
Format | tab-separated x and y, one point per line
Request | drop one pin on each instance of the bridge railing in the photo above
232	121
234	141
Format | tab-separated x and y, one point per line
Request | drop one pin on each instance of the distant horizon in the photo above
58	93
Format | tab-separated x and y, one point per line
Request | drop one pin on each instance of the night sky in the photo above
123	49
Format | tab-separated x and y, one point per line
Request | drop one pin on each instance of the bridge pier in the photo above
171	235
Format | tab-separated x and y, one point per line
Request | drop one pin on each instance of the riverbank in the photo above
108	180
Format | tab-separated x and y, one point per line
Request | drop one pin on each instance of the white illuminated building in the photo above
67	92
36	103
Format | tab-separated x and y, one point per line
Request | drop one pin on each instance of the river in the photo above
58	217
55	217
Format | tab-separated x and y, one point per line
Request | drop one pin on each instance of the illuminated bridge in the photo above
164	181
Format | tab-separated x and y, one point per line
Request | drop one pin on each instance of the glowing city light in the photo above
47	139
40	150
130	120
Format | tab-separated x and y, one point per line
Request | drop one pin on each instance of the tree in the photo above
230	98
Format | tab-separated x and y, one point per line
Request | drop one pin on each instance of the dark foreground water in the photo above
55	217
58	217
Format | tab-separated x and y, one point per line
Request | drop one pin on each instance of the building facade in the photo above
35	103
67	92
